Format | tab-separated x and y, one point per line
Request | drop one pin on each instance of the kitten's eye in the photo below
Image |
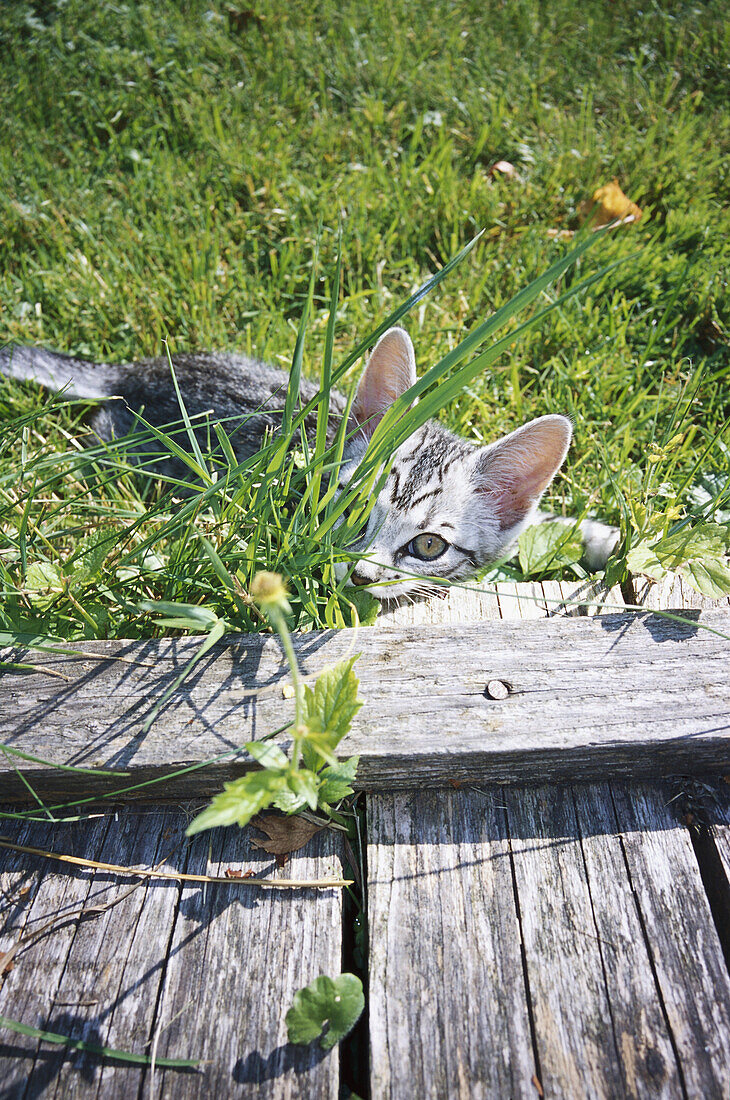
427	547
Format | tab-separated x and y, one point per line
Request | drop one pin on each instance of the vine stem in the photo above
279	623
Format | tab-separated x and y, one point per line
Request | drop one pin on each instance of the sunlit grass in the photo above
167	178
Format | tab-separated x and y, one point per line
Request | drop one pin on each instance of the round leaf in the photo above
338	1002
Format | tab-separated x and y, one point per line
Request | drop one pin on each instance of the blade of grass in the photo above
325	384
407	419
91	1048
186	419
10	751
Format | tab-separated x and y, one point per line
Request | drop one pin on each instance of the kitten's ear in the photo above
514	472
391	370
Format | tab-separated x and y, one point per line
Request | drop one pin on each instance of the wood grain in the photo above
211	972
600	1029
686	953
716	815
627	986
641	1037
604	1019
711	822
634	694
234	964
38	895
448	1010
673	591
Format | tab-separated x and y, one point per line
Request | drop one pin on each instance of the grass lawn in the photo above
169	170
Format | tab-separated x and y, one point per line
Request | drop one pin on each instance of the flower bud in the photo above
269	592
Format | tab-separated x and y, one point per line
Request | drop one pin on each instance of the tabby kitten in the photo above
447	509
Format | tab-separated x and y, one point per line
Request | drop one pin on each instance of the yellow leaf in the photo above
607	205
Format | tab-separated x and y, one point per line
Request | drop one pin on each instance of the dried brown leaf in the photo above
286	834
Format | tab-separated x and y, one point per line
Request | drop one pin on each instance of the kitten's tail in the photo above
55	371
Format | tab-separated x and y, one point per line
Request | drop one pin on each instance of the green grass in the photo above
167	177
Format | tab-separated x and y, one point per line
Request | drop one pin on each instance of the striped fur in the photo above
473	501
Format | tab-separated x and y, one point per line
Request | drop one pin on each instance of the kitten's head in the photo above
448	508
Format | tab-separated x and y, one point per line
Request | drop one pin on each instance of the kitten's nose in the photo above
358	579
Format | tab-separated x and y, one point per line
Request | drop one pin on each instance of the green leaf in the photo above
690	544
268	755
338	1002
239	801
317	750
302	787
289	802
305	785
329	709
183	615
90	556
711	577
697	552
44	576
548	546
642	559
335	782
366	606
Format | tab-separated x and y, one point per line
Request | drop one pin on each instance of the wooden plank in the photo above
571	1011
120	978
448	1011
647	1059
600	1029
636	694
600	1021
672	592
110	984
686	952
608	1020
716	815
468	603
710	819
236	960
41	895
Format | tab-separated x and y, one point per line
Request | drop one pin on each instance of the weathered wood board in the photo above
633	694
686	952
462	882
553	938
448	1008
712	824
624	991
200	971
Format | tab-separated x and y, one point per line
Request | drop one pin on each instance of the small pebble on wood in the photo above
497	689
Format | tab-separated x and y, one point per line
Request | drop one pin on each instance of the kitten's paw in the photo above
599	542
